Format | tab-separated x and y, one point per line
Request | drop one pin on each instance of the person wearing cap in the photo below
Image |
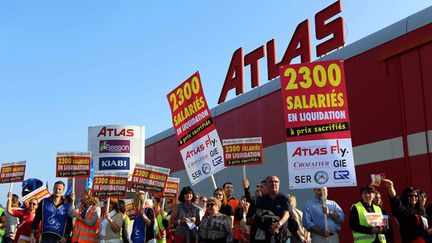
364	231
319	211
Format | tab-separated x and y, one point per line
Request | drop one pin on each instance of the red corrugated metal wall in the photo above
389	94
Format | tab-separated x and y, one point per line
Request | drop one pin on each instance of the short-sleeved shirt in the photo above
26	221
277	205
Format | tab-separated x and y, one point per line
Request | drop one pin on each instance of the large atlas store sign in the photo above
116	148
299	46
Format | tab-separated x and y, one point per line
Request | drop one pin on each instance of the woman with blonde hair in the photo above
225	208
109	228
25	216
87	219
301	235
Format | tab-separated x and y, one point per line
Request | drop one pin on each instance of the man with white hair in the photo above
322	217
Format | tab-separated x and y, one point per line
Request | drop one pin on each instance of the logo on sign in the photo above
321	177
206	168
341	174
114	163
217	161
114	146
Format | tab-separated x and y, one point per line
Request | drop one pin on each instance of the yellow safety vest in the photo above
366	238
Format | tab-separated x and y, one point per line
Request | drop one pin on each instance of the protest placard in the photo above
149	178
110	184
12	172
318	135
73	164
243	151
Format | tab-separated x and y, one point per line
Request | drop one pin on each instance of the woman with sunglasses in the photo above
25	216
409	212
225	208
215	227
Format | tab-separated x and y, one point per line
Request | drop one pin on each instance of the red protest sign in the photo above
315	101
172	188
73	164
243	151
149	178
110	184
12	172
40	193
191	115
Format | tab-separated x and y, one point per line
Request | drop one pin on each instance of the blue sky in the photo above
68	65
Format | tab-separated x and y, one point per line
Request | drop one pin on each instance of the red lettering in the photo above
299	46
272	68
252	59
334	28
114	132
234	77
130	133
102	132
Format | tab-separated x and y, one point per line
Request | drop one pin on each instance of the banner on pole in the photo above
198	140
110	184
318	135
12	172
243	151
73	164
149	178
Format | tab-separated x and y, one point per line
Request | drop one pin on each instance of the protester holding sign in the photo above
160	219
143	225
366	219
109	228
409	211
87	219
53	212
323	217
389	232
25	216
186	217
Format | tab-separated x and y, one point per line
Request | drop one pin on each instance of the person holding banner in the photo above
87	219
366	220
389	232
12	221
409	212
144	223
322	217
109	228
25	217
272	207
53	213
186	217
160	217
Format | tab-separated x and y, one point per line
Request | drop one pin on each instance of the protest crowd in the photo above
266	216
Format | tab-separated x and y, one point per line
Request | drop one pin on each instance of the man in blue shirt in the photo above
323	217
